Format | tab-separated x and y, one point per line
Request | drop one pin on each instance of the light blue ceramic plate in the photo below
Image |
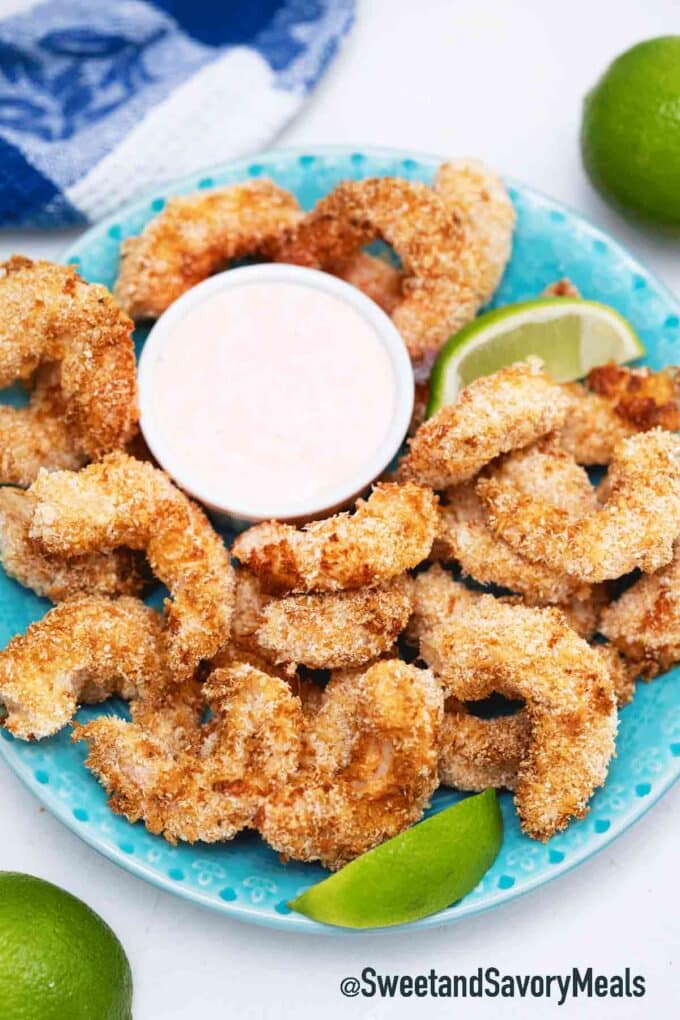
245	879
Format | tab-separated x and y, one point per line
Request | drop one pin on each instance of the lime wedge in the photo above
418	872
571	335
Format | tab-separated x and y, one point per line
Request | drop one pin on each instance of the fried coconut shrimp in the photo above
617	402
465	537
644	622
196	235
334	630
634	527
475	753
388	533
375	276
369	766
436	595
212	784
51	316
491	646
125	502
494	414
120	572
440	272
39	435
80	652
479	196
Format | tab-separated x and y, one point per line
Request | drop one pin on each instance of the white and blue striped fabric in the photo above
100	99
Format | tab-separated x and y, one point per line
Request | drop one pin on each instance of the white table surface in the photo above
504	81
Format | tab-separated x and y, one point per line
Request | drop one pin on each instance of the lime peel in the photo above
571	335
415	874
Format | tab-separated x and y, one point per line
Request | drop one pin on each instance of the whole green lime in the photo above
58	959
630	133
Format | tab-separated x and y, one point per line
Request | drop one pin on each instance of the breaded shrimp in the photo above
479	196
119	572
49	314
520	652
475	753
193	237
465	537
369	766
334	630
390	532
494	414
439	264
635	527
615	403
125	502
39	435
644	622
375	276
214	787
436	595
80	652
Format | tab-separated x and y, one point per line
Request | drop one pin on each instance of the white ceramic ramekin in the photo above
236	512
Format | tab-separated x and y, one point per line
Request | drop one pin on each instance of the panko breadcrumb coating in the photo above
644	622
193	237
334	630
212	787
80	652
125	502
617	402
465	537
475	753
388	533
494	414
119	572
478	195
491	646
636	526
50	315
369	766
39	435
435	595
439	264
375	276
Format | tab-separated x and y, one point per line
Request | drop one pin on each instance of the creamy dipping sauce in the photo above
272	393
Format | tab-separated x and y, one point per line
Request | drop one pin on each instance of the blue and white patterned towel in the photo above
100	99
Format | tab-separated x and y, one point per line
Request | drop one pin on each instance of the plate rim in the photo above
241	910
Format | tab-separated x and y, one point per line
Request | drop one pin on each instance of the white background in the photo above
504	81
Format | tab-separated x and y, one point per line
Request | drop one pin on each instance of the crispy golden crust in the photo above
439	269
475	194
635	526
334	630
644	622
193	237
494	414
475	753
388	533
617	402
478	195
592	429
81	652
120	572
38	435
50	315
491	646
124	502
621	672
465	537
369	766
209	784
375	276
436	595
